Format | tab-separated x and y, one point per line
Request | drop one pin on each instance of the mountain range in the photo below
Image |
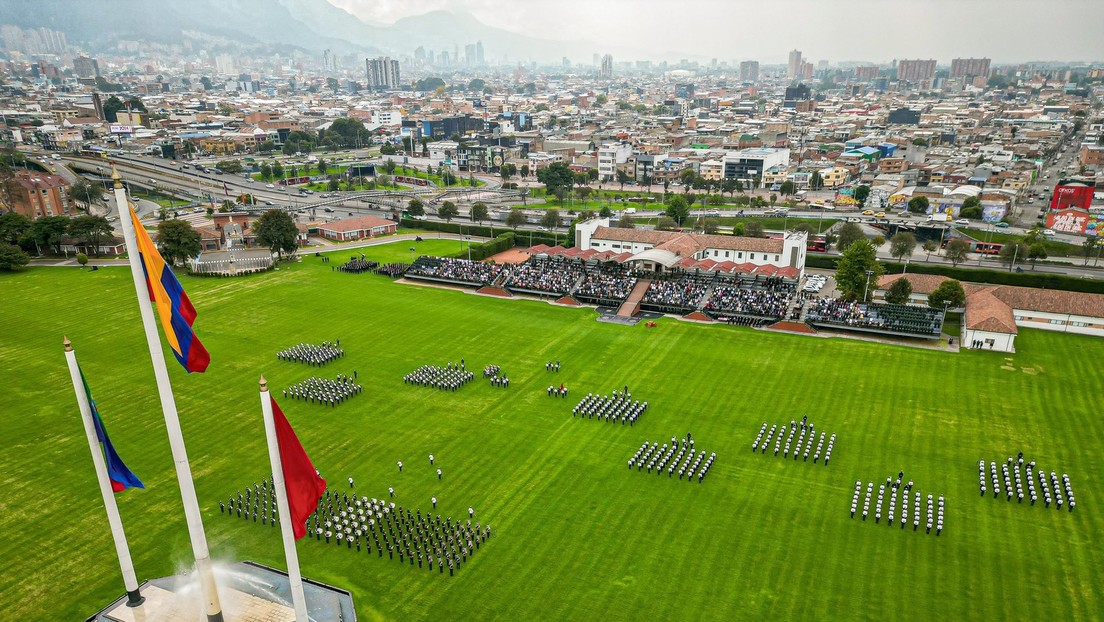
312	25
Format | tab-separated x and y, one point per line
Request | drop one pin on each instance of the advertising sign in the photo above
126	129
1072	195
1076	221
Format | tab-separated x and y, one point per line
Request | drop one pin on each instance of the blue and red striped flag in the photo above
120	475
176	311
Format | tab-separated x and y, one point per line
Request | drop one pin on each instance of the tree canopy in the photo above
851	277
957	250
447	211
950	292
557	178
899	292
516	218
849	233
177	241
902	244
276	229
678	209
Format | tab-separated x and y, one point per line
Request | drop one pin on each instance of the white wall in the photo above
1060	322
1002	342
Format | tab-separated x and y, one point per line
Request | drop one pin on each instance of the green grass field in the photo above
577	535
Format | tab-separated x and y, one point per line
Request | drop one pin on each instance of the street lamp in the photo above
869	273
468	238
411	254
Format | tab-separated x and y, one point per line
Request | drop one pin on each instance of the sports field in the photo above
577	535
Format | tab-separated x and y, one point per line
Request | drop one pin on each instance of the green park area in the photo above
577	534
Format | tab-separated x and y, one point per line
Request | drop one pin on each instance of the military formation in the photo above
1014	473
325	391
800	438
932	520
315	355
497	378
678	456
448	378
619	407
369	524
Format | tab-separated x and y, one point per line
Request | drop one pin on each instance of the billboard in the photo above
126	129
1071	195
1076	221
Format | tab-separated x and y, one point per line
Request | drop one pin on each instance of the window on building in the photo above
1078	324
1057	322
751	256
726	254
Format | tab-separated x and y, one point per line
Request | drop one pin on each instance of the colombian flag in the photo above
176	311
121	477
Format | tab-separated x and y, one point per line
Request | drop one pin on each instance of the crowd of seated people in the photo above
685	291
450	269
545	275
606	283
731	299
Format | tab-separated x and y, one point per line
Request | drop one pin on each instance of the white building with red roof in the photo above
357	228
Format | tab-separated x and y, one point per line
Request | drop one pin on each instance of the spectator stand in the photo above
678	293
542	276
453	271
605	285
877	318
752	300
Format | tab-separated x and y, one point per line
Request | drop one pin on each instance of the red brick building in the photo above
357	228
36	195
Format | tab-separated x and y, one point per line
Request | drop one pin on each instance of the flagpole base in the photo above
214	617
134	598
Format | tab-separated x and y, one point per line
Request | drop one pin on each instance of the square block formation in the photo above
934	516
803	446
678	456
1019	483
324	391
451	377
616	408
315	355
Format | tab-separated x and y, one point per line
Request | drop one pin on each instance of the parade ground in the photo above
578	533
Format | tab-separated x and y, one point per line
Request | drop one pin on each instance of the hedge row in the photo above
978	275
521	238
490	248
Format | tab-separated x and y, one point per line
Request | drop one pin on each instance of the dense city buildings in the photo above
382	73
915	70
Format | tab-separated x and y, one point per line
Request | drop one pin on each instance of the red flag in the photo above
304	486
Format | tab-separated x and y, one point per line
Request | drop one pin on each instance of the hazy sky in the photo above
766	30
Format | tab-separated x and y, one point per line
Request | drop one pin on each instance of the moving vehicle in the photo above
880	215
939	218
1048	232
868	212
962	222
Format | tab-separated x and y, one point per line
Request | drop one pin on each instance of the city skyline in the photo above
739	30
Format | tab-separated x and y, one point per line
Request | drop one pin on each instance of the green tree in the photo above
322	166
551	219
918	205
601	100
739	229
49	230
415	207
851	271
277	170
816	182
524	171
229	166
929	248
276	229
849	233
665	223
605	211
388	166
860	193
177	241
899	292
711	225
13	227
507	170
447	211
266	147
12	257
787	188
477	84
266	171
516	218
82	259
878	241
333	184
729	186
902	245
90	229
957	250
557	178
626	221
687	176
479	212
678	209
622	178
773	199
1012	252
949	292
1035	252
111	108
754	229
85	192
388	150
299	141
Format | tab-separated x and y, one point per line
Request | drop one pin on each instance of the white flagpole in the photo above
130	581
295	578
212	606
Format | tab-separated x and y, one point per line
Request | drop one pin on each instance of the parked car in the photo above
1048	232
1002	225
269	186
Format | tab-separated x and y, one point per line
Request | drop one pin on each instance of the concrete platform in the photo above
249	592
